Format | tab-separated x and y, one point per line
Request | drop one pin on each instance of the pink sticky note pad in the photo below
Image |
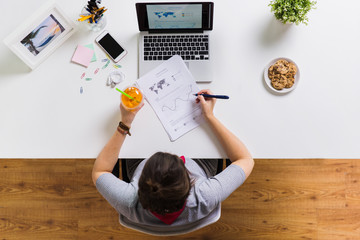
82	55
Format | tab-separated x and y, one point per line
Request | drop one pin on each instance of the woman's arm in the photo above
234	148
108	157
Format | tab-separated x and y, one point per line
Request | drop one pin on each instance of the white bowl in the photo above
268	81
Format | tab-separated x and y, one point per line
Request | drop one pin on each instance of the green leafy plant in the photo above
292	11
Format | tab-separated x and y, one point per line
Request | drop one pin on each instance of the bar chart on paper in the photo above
169	89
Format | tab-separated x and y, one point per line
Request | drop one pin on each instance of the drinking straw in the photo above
127	95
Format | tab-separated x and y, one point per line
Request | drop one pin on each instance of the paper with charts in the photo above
170	89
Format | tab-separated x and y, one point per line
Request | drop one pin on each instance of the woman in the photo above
168	194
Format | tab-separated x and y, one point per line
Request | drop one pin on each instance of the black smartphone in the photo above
111	46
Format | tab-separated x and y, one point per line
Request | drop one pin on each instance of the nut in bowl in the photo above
281	75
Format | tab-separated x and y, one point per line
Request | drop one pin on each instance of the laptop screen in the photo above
172	17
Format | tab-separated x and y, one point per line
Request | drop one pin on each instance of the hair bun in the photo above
154	188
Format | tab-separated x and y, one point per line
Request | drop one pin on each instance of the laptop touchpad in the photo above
201	72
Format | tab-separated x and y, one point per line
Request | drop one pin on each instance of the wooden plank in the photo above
353	186
282	199
301	183
37	165
280	223
38	223
334	224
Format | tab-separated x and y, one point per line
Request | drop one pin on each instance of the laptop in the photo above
176	28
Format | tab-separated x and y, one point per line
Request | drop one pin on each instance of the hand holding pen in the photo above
207	104
212	96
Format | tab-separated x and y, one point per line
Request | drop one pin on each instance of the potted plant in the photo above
292	11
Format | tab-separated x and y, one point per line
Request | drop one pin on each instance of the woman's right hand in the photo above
207	104
235	150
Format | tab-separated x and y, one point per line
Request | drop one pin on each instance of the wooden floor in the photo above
282	199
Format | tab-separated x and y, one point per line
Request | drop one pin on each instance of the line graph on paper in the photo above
186	97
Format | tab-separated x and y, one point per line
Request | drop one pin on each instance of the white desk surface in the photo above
43	114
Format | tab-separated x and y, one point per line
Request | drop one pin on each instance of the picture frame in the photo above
41	34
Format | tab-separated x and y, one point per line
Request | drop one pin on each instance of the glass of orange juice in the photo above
134	102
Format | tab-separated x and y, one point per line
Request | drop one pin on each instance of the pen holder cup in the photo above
94	26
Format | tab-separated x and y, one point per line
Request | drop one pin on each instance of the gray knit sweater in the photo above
203	205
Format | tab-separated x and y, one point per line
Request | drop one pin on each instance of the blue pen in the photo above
213	96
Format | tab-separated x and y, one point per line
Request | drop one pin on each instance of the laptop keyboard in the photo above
189	47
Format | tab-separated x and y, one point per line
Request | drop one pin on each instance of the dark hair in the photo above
164	184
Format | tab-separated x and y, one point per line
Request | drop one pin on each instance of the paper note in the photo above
82	55
170	90
91	46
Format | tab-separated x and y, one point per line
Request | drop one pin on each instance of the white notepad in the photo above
170	89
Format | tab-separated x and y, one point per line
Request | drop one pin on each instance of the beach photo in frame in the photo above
41	34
